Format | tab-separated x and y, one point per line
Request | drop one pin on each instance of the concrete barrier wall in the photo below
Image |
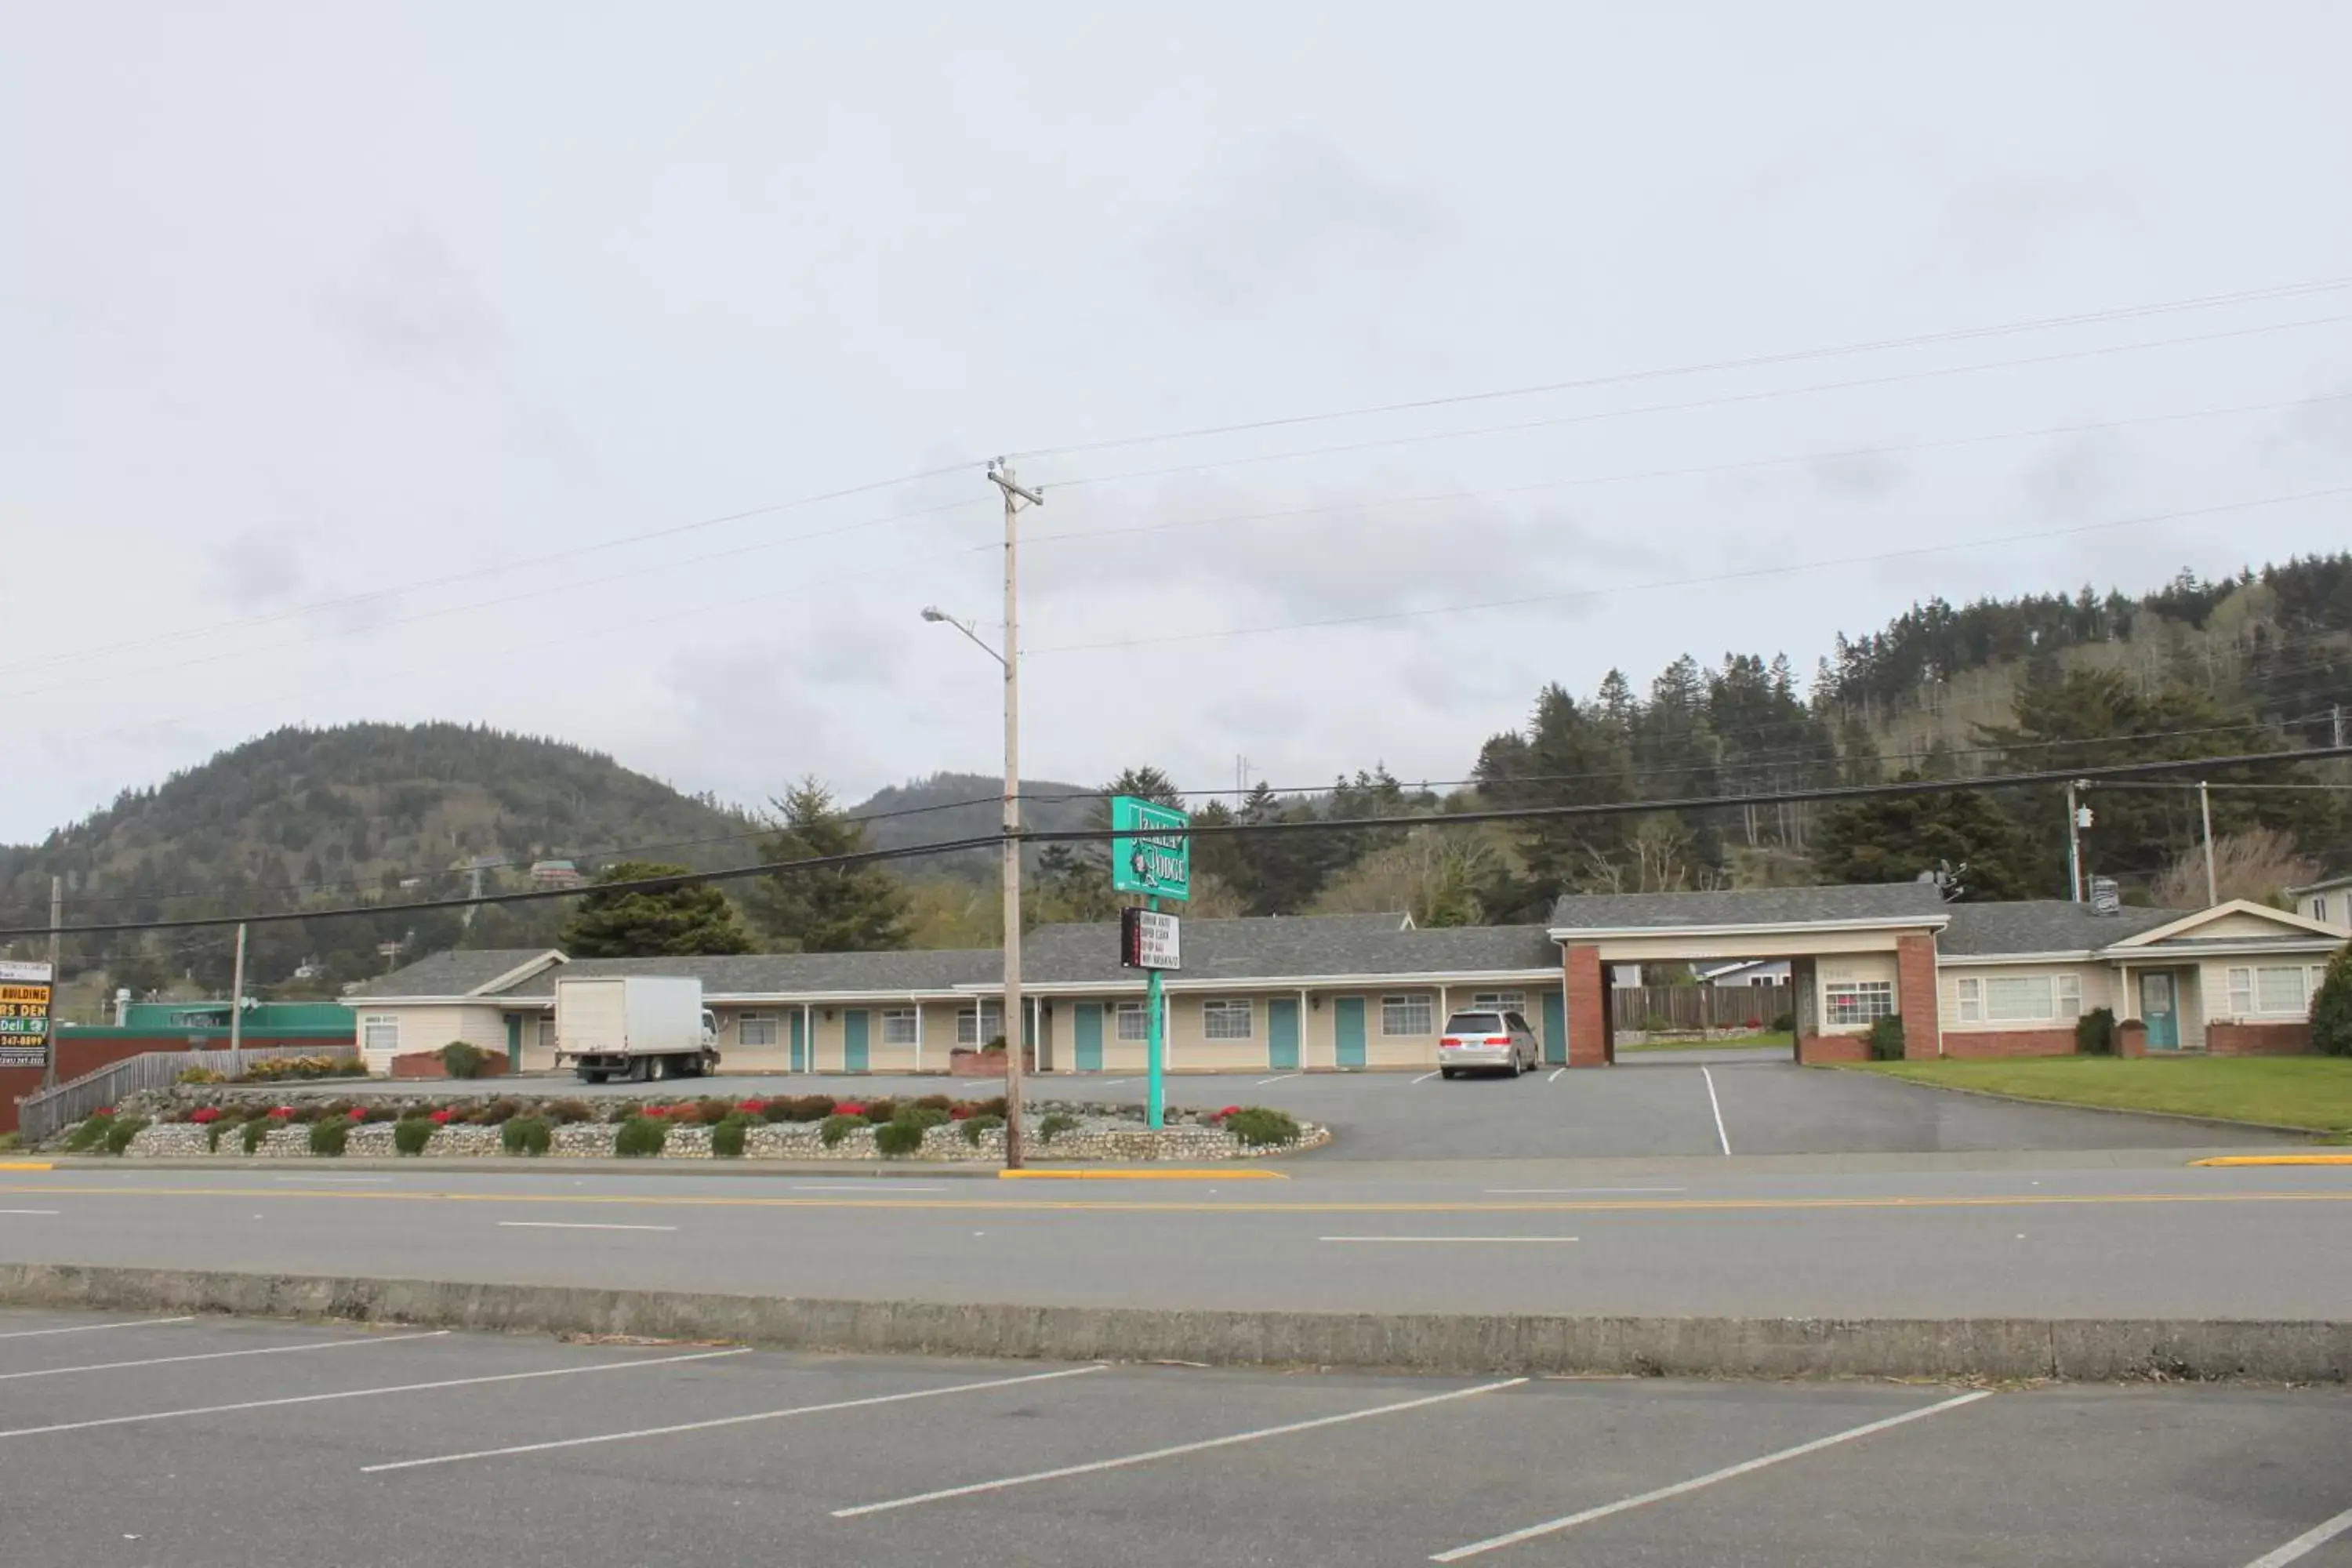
1457	1344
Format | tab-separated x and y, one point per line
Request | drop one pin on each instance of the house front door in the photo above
2160	1009
1282	1034
1089	1041
853	1039
1348	1030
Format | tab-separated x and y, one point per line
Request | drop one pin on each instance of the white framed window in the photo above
900	1027
547	1034
1850	1001
1407	1016
380	1032
1131	1021
1969	994
1496	1002
2017	998
978	1026
2319	908
1227	1019
2070	995
755	1030
2279	991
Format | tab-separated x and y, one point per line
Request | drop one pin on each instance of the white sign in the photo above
21	970
1151	941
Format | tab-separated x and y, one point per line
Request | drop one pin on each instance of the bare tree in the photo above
2257	864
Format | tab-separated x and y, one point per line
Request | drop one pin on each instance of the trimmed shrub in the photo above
976	1128
879	1111
1784	1022
499	1111
834	1129
1262	1127
201	1075
213	1134
330	1134
2094	1031
640	1138
376	1114
255	1130
939	1102
727	1138
810	1108
2331	1010
1054	1124
461	1058
1887	1038
525	1135
923	1116
411	1133
901	1135
709	1113
567	1113
121	1130
93	1127
994	1107
277	1070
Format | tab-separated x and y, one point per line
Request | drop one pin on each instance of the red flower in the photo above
1228	1110
655	1111
204	1115
752	1107
848	1108
959	1113
441	1117
359	1113
280	1112
104	1111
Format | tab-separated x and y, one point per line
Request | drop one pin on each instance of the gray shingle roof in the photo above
1280	948
771	974
452	973
1748	906
2040	925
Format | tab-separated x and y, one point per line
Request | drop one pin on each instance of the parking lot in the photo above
208	1441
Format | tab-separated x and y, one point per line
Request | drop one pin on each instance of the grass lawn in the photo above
1765	1041
2289	1091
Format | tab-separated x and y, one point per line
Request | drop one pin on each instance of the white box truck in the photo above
634	1027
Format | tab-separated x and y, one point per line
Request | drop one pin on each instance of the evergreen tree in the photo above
662	922
2331	1010
1895	838
831	909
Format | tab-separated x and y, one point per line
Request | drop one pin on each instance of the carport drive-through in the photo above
408	1445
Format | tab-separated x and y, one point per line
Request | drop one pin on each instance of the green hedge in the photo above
526	1135
640	1138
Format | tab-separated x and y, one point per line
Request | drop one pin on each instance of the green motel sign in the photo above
1145	857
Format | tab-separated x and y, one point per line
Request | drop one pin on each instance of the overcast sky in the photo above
350	354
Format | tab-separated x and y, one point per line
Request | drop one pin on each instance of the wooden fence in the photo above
41	1113
1696	1010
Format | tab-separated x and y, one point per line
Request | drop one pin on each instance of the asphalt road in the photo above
2143	1236
1660	1105
276	1446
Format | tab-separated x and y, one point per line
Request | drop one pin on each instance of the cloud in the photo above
257	569
416	308
1858	476
2077	473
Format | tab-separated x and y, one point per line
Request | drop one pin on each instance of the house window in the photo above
380	1032
2319	908
978	1026
2279	991
1494	1002
900	1027
1852	1002
547	1034
1406	1015
754	1030
2017	998
1133	1023
1225	1020
1970	995
2070	995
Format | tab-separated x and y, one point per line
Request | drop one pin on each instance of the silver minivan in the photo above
1488	1042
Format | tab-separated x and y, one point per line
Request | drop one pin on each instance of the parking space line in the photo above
367	1393
223	1355
1555	1075
726	1421
1716	1105
1124	1461
1423	1079
93	1328
574	1225
2305	1544
1278	1077
1729	1472
1441	1238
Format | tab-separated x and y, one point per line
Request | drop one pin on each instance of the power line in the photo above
1075	836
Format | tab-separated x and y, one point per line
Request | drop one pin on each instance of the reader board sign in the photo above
1144	857
1147	940
26	998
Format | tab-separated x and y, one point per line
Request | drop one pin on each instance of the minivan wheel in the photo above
1445	1073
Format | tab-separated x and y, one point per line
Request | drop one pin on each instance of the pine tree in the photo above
664	922
833	909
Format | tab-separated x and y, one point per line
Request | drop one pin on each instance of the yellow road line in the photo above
25	1165
1044	1206
1087	1175
2276	1159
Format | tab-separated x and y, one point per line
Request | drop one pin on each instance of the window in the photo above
2070	995
1970	996
900	1027
1406	1015
978	1026
2279	990
1225	1020
1133	1023
2319	908
1860	1000
380	1032
2016	998
547	1034
1500	1001
753	1030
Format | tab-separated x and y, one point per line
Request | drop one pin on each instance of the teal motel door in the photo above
799	1021
1555	1028
1282	1034
2160	1009
1348	1029
514	1042
853	1039
1090	1036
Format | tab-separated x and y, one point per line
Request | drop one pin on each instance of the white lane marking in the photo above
346	1179
1555	1075
2303	1545
1446	1238
726	1421
854	1186
1561	1191
1109	1082
223	1355
1747	1466
574	1225
93	1328
1125	1460
365	1393
1424	1078
50	1213
1716	1105
1277	1078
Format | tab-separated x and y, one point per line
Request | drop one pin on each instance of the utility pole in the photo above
57	978
236	994
2205	810
2074	845
1001	475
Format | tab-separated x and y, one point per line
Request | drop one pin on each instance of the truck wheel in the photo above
593	1075
641	1070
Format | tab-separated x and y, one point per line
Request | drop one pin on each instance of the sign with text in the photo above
1144	858
26	998
1147	940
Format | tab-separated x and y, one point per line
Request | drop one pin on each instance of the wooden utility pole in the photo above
236	996
57	978
1002	478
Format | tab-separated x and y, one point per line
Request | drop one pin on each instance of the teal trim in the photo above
799	1042
1348	1030
2159	1008
1555	1026
1090	1036
853	1039
218	1036
514	1041
1282	1034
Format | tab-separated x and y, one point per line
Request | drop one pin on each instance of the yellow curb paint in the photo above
25	1165
1142	1176
2276	1159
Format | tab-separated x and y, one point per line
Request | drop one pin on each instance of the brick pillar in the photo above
1588	1008
1916	997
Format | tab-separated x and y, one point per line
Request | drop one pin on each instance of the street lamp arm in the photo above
935	614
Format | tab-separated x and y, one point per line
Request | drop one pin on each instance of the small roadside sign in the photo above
1147	940
1144	858
26	996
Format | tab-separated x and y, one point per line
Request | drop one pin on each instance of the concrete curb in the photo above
2000	1349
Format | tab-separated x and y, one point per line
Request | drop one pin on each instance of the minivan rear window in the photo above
1475	1024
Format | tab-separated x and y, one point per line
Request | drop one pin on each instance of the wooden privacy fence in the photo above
1690	1009
41	1113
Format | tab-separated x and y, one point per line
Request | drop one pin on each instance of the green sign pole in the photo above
1156	1049
1152	856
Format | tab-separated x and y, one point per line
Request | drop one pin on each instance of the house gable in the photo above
2240	920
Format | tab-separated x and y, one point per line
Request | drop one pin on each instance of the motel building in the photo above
1342	993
